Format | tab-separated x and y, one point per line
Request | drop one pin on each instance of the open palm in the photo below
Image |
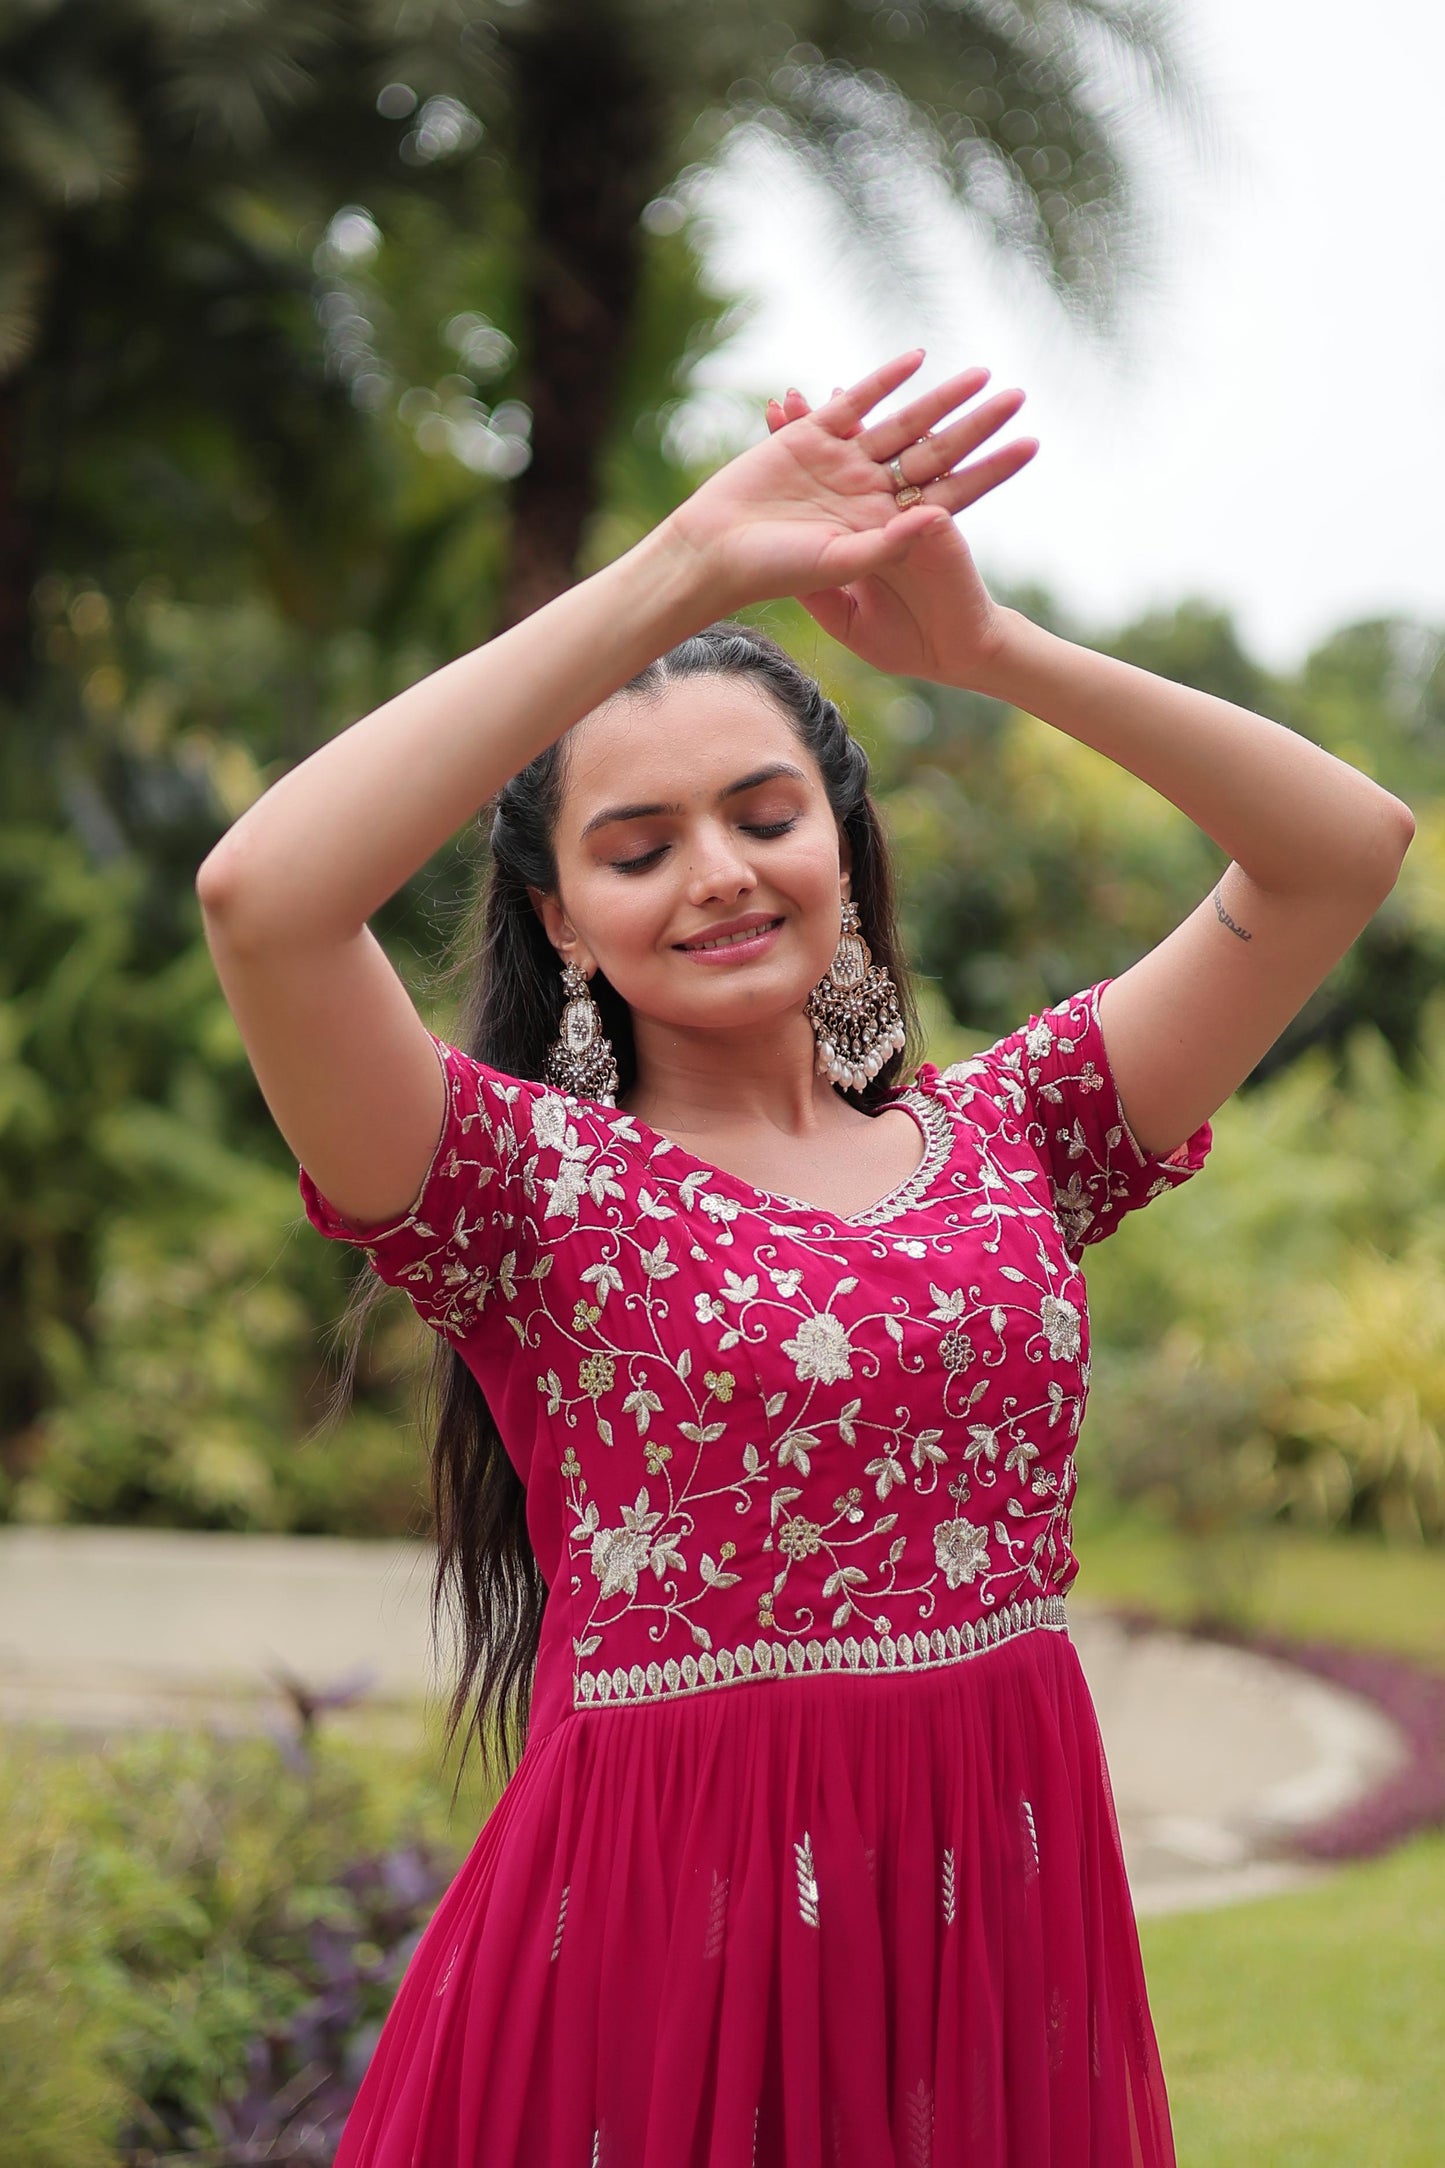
813	506
924	611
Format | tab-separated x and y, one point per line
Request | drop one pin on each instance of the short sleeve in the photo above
447	1250
1052	1077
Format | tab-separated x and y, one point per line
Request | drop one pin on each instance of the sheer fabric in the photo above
811	1856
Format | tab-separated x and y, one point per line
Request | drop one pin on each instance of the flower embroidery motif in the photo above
820	1349
1060	1321
782	1441
619	1554
595	1375
961	1550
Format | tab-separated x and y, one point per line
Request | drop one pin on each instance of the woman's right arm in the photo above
343	1060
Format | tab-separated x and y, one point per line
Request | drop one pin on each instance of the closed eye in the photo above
767	830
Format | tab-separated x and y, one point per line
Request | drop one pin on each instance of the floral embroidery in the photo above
782	1440
961	1550
820	1349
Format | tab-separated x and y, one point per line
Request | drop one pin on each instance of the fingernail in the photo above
793	392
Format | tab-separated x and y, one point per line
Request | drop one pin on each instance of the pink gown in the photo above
811	1856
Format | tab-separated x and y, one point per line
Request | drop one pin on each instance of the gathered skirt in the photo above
808	1922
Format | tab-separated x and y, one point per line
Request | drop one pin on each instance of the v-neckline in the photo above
934	1128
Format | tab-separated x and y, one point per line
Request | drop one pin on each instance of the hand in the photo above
925	613
811	507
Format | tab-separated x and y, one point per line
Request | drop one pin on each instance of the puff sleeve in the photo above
1052	1081
461	1233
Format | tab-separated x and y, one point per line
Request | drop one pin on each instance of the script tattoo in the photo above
1226	920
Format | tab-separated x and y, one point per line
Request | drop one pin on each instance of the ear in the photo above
559	928
845	859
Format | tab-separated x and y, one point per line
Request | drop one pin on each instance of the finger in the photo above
860	398
857	428
964	437
853	556
889	435
833	608
955	491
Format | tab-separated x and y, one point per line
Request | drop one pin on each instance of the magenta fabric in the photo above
810	1857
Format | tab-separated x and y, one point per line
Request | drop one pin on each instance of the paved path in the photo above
1212	1750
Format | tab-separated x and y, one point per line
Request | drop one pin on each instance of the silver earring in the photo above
580	1059
854	1011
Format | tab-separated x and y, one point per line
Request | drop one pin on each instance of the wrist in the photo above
686	581
1000	670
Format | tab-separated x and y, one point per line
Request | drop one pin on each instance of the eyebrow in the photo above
769	774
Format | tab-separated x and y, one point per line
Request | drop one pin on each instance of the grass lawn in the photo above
1307	2030
1355	1590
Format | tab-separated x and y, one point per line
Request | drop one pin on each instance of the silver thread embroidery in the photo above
918	2121
716	1914
950	1889
1058	2023
561	1916
807	1880
1031	1860
763	1659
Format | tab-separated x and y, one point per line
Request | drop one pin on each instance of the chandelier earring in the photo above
580	1059
854	1011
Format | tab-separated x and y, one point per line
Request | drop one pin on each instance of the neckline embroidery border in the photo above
938	1136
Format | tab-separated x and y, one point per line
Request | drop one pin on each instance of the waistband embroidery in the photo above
791	1659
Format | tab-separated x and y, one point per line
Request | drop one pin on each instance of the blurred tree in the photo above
615	109
167	177
1035	866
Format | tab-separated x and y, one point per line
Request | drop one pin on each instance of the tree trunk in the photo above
589	138
17	552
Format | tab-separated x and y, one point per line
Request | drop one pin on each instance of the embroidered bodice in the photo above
759	1438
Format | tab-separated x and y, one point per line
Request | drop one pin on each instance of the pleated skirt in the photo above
805	1922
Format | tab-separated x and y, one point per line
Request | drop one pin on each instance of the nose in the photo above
718	870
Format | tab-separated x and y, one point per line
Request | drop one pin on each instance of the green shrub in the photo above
1267	1342
162	1898
61	2093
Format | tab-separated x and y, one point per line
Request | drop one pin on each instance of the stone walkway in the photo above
1213	1752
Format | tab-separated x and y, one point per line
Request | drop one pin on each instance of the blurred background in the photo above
334	338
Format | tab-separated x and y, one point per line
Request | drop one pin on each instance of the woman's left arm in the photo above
1315	848
1315	845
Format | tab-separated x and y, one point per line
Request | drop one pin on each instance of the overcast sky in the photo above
1274	434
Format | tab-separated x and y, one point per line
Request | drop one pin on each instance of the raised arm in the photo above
341	1055
343	1060
1316	846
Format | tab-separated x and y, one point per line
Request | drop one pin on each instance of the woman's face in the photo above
698	859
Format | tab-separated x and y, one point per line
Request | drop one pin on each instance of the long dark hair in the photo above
505	979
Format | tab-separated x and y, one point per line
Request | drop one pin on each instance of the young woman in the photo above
765	1358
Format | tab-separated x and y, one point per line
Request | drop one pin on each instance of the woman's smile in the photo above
733	940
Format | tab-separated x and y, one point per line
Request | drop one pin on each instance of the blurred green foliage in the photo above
160	1898
280	410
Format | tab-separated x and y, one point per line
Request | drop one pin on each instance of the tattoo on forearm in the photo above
1226	920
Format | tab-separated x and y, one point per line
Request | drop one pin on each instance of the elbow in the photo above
1400	826
1379	845
215	883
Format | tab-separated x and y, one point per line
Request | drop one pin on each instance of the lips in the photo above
730	933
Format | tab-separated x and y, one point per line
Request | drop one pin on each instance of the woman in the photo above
765	1365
